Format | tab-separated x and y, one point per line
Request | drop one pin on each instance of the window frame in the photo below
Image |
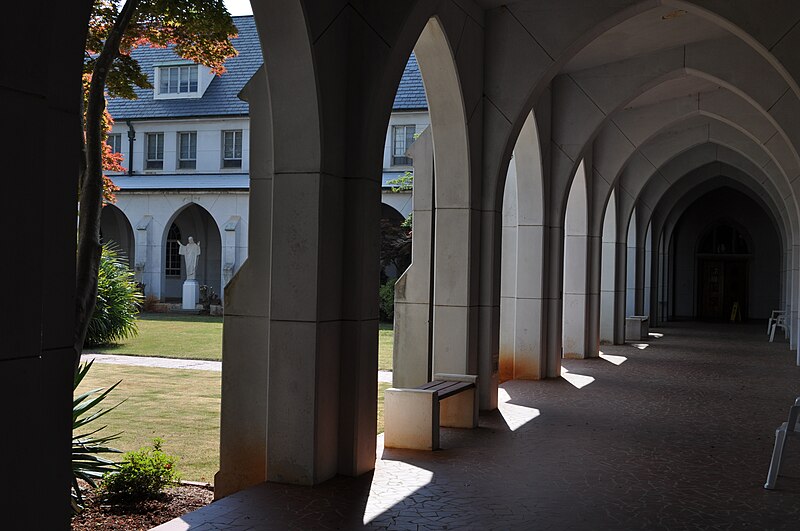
232	162
116	144
154	163
172	251
183	74
398	156
190	162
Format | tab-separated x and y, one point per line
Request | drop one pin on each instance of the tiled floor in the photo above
674	433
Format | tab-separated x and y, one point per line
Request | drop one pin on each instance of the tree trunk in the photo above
91	189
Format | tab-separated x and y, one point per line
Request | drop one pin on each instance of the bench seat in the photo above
412	417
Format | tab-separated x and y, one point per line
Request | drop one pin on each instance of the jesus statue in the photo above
190	252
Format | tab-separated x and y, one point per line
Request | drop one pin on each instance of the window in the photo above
723	239
187	151
177	79
402	138
155	151
115	141
173	259
231	149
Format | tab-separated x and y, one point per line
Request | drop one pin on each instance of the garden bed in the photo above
174	502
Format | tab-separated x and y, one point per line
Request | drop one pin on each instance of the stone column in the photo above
412	292
620	283
607	275
245	339
508	276
141	258
576	248
630	261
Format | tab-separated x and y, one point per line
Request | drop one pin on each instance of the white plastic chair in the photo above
780	322
772	318
786	429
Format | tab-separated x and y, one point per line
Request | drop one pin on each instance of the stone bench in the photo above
412	417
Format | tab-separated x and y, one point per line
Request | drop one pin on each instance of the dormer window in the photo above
181	80
177	79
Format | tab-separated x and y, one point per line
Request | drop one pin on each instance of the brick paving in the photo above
675	433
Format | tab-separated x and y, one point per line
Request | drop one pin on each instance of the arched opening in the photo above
395	243
722	273
192	221
454	254
726	266
115	227
434	312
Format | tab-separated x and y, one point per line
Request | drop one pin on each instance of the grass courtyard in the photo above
199	337
170	335
180	406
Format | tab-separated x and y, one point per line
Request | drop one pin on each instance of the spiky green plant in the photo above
118	300
87	463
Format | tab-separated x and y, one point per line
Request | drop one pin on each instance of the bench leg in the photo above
459	411
772	333
777	455
411	419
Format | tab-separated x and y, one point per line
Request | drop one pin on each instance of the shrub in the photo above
118	300
150	303
142	475
86	464
387	300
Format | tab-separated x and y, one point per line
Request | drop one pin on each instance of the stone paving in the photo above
175	363
673	433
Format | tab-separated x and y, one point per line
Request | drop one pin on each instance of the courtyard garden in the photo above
180	406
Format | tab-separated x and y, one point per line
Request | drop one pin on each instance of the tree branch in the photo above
91	190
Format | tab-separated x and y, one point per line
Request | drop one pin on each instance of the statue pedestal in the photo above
191	294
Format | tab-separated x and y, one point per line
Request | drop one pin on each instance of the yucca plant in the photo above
87	463
118	300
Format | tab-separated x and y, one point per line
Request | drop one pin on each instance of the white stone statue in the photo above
190	252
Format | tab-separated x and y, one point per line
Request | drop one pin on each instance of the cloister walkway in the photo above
673	433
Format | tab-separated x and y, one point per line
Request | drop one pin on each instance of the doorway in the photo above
723	275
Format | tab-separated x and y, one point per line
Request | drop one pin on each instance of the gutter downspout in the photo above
131	140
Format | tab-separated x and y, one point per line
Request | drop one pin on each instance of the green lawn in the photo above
170	335
180	406
199	337
385	346
381	388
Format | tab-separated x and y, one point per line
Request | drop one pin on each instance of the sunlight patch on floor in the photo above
514	415
611	358
386	492
640	346
578	380
655	335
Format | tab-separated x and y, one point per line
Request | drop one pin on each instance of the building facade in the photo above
185	144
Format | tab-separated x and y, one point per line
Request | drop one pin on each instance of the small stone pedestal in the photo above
191	294
637	327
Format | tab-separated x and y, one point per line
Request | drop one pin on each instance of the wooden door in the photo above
712	279
735	288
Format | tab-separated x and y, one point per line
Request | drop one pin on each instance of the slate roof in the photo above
220	99
410	92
